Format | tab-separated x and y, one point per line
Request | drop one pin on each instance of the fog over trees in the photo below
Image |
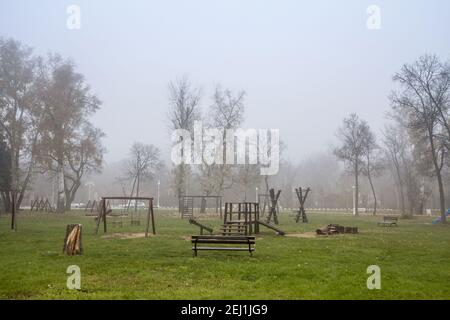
49	147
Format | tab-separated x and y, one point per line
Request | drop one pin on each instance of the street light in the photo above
157	202
256	194
355	210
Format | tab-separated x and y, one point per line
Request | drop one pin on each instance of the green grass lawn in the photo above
414	260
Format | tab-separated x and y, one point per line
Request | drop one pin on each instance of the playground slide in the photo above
271	226
202	226
435	221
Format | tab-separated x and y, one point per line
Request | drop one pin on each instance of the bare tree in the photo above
353	136
141	166
226	112
423	102
84	156
372	164
184	109
395	148
248	176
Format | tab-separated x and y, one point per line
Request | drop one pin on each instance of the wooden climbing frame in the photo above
186	205
41	205
240	218
301	196
273	210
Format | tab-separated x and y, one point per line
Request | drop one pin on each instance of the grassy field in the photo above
414	260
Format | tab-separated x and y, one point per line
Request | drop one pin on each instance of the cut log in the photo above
72	240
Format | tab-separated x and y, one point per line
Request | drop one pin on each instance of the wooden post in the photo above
249	209
103	204
148	219
256	218
153	216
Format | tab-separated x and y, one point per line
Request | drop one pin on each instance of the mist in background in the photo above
304	65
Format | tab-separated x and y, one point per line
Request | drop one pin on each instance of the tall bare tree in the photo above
353	138
395	145
372	164
225	113
184	109
423	101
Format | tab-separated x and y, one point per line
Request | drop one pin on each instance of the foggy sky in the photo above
304	66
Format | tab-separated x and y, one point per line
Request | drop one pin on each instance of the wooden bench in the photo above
240	243
388	221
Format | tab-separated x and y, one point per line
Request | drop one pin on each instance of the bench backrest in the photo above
389	218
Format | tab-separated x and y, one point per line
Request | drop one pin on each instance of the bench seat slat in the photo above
224	248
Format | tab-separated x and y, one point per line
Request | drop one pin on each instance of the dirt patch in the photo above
307	235
127	235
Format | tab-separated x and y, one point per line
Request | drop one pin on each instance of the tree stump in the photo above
72	240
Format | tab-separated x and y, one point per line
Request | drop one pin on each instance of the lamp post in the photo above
157	201
256	194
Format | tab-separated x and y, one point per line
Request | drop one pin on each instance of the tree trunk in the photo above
437	170
70	194
6	202
203	205
356	189
441	198
373	193
60	205
137	191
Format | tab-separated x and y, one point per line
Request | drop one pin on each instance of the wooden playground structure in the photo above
264	199
240	218
273	209
187	205
104	211
244	219
301	196
41	205
201	226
